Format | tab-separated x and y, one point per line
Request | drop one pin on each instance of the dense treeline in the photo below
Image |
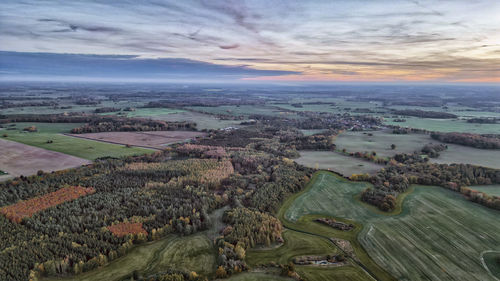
406	169
473	140
321	120
432	150
100	123
106	109
130	125
483	120
5	104
425	114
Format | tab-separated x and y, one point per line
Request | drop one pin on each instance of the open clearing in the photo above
329	160
203	121
190	253
380	142
151	112
438	235
83	148
154	139
493	189
20	159
446	125
469	155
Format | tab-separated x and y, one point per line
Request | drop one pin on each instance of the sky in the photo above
271	40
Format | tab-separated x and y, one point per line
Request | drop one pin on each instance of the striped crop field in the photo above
437	236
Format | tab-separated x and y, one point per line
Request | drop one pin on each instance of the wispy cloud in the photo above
334	40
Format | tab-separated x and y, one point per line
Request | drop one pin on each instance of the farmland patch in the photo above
19	159
156	139
329	160
438	235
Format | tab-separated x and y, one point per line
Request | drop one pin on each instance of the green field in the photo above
438	235
347	273
446	125
296	244
190	253
203	121
334	161
380	142
244	110
305	231
151	112
256	276
312	132
469	155
83	148
492	262
493	189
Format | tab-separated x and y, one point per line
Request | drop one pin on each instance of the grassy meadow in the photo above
329	160
493	189
469	155
190	253
438	235
82	148
380	142
446	125
203	121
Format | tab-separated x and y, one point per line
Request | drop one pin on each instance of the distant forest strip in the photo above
473	140
425	114
100	123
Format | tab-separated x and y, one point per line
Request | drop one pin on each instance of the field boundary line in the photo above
111	142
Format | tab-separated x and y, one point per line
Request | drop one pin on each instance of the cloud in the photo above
226	47
109	66
372	38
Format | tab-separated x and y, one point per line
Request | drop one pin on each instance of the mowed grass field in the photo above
82	148
493	189
334	161
190	253
469	155
437	236
380	142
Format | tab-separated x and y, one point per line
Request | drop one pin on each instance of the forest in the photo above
473	140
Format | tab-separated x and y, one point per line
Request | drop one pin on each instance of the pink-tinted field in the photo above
21	159
156	139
